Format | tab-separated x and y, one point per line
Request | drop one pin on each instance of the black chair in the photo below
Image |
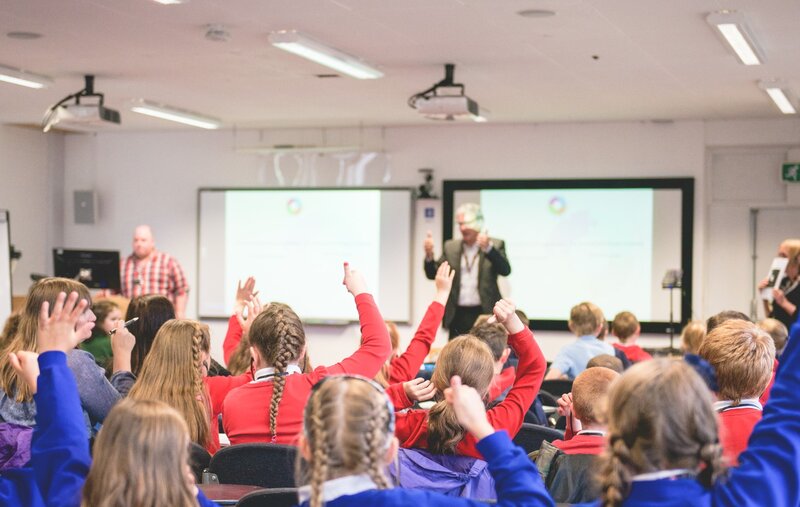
199	458
557	387
278	497
264	465
531	436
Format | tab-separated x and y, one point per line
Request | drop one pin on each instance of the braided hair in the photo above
278	335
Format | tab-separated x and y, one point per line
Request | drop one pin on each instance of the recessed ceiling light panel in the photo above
536	13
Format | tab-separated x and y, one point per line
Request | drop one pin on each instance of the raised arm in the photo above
768	472
430	264
406	366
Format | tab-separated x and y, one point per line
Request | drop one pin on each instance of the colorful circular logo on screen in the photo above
557	205
293	206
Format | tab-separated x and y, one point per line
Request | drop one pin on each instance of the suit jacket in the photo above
490	266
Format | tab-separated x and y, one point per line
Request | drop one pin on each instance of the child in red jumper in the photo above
627	329
742	356
494	335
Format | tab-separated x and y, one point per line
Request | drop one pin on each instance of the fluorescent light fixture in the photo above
777	92
173	114
733	28
22	78
302	45
170	2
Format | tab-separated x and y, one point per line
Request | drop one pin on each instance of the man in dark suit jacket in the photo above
477	260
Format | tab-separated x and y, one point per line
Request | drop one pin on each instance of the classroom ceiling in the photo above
594	60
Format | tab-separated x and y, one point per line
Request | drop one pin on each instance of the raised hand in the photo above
26	364
253	307
505	314
122	342
483	240
444	282
469	408
428	245
57	328
354	281
418	389
244	293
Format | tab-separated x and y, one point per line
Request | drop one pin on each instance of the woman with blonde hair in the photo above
786	298
141	458
663	446
469	358
348	440
97	394
175	371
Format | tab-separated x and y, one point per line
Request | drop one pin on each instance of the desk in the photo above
226	494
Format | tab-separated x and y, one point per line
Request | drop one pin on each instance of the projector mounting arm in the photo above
447	82
88	91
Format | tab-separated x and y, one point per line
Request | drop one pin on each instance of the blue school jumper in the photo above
516	480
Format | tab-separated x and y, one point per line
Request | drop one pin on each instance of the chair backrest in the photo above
557	387
277	497
199	458
531	436
265	465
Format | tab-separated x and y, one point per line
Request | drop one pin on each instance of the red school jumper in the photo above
735	427
406	366
634	353
245	412
412	425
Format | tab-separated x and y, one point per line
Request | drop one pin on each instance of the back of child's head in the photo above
141	457
692	336
493	335
601	321
742	355
279	337
777	331
583	319
348	427
724	316
523	318
153	311
613	363
172	373
660	417
471	359
589	390
102	308
624	326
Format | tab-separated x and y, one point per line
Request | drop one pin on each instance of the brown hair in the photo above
278	335
46	289
141	458
692	336
10	328
613	363
172	373
724	316
382	377
660	417
153	311
624	326
493	335
347	427
240	359
589	390
583	320
742	355
102	308
777	331
472	360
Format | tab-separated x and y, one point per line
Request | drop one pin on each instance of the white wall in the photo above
153	178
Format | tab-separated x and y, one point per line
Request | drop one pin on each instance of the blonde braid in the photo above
289	346
319	465
616	477
375	445
199	386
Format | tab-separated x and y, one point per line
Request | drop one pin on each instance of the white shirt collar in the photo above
662	474
721	406
266	374
343	486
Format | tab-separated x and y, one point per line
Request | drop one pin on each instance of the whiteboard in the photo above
5	266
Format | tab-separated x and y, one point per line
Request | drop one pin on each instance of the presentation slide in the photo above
295	241
607	246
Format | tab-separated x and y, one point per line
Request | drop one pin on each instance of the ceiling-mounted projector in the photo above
446	101
80	114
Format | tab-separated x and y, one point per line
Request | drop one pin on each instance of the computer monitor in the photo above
97	269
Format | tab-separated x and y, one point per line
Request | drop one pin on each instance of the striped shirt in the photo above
160	274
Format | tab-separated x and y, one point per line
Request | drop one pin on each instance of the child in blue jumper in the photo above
348	439
663	448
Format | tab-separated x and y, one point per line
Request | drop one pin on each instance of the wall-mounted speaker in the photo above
85	204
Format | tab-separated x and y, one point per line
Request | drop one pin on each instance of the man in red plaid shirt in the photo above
148	271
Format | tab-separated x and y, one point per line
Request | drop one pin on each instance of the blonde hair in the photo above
660	417
348	424
792	247
692	336
172	373
472	360
624	326
742	355
777	331
141	458
46	289
241	359
583	320
589	391
278	335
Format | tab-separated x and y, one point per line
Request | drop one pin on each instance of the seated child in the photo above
627	329
606	361
742	356
495	336
572	358
692	336
99	344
